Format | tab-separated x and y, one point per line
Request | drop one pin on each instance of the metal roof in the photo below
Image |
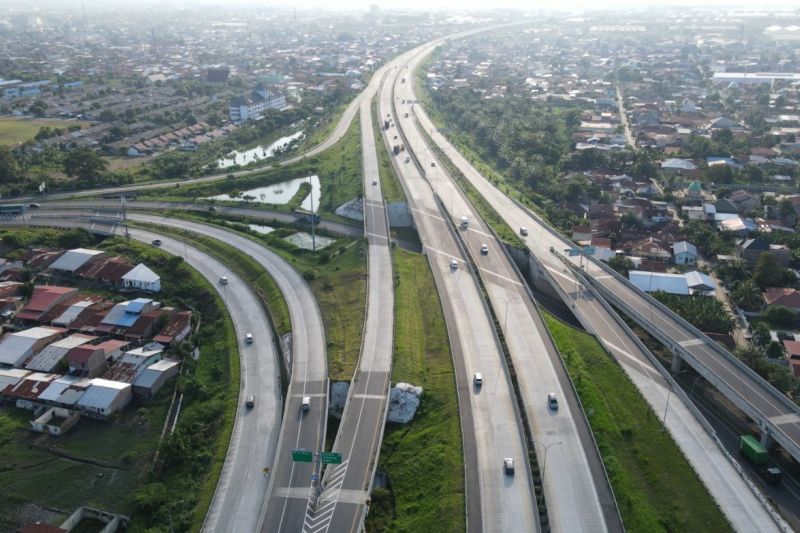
684	247
149	375
18	346
72	260
141	274
656	281
72	312
63	390
102	393
51	355
125	314
11	376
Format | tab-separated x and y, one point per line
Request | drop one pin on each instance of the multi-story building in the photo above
252	107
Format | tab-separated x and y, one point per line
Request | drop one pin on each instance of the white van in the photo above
477	379
306	403
464	222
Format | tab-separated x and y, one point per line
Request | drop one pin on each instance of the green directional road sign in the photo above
302	456
331	458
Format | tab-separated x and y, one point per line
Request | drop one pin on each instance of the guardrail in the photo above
679	392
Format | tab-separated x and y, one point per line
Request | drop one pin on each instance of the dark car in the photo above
156	242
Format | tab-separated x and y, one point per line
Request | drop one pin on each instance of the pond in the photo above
263	230
277	193
258	153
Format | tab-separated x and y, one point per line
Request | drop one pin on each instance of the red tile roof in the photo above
782	296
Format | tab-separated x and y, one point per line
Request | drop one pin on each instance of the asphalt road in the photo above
491	426
729	490
577	492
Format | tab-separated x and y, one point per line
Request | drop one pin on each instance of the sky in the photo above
528	5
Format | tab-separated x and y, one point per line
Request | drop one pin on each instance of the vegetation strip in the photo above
643	462
422	459
191	458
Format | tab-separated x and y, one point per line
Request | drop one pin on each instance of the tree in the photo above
85	164
780	316
171	165
9	169
621	264
747	296
769	272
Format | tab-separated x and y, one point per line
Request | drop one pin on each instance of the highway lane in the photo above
505	503
290	483
577	492
739	504
114	206
342	504
242	486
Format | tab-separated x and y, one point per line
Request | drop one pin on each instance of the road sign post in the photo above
302	456
331	458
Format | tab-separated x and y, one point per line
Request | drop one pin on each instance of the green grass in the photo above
109	465
243	266
324	129
422	459
390	185
337	278
15	131
339	171
655	486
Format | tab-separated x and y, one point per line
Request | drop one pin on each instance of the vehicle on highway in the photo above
248	338
223	280
34	206
408	159
484	249
156	242
306	403
212	209
751	448
464	222
453	264
552	402
433	164
477	379
523	231
374	182
508	466
250	402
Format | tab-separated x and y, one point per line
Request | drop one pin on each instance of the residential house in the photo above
581	234
17	348
142	278
72	260
177	329
651	249
92	360
751	250
789	298
125	314
679	284
51	356
103	398
684	253
43	300
677	166
792	349
149	381
744	201
27	391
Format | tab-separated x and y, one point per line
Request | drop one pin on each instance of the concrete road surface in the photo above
577	492
495	501
739	504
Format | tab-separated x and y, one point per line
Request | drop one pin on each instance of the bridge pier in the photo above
676	362
766	439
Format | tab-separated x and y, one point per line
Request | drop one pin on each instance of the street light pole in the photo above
544	461
313	215
666	408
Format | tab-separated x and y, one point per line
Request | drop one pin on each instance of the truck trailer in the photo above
751	448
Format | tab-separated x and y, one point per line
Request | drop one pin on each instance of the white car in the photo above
306	403
477	379
223	280
552	401
508	466
453	264
523	231
248	338
374	182
484	249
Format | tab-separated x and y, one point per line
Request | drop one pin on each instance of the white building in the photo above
680	284
142	278
104	397
253	107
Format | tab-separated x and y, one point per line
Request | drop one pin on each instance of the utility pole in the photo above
313	217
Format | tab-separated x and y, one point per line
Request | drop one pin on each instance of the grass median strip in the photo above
655	486
423	459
